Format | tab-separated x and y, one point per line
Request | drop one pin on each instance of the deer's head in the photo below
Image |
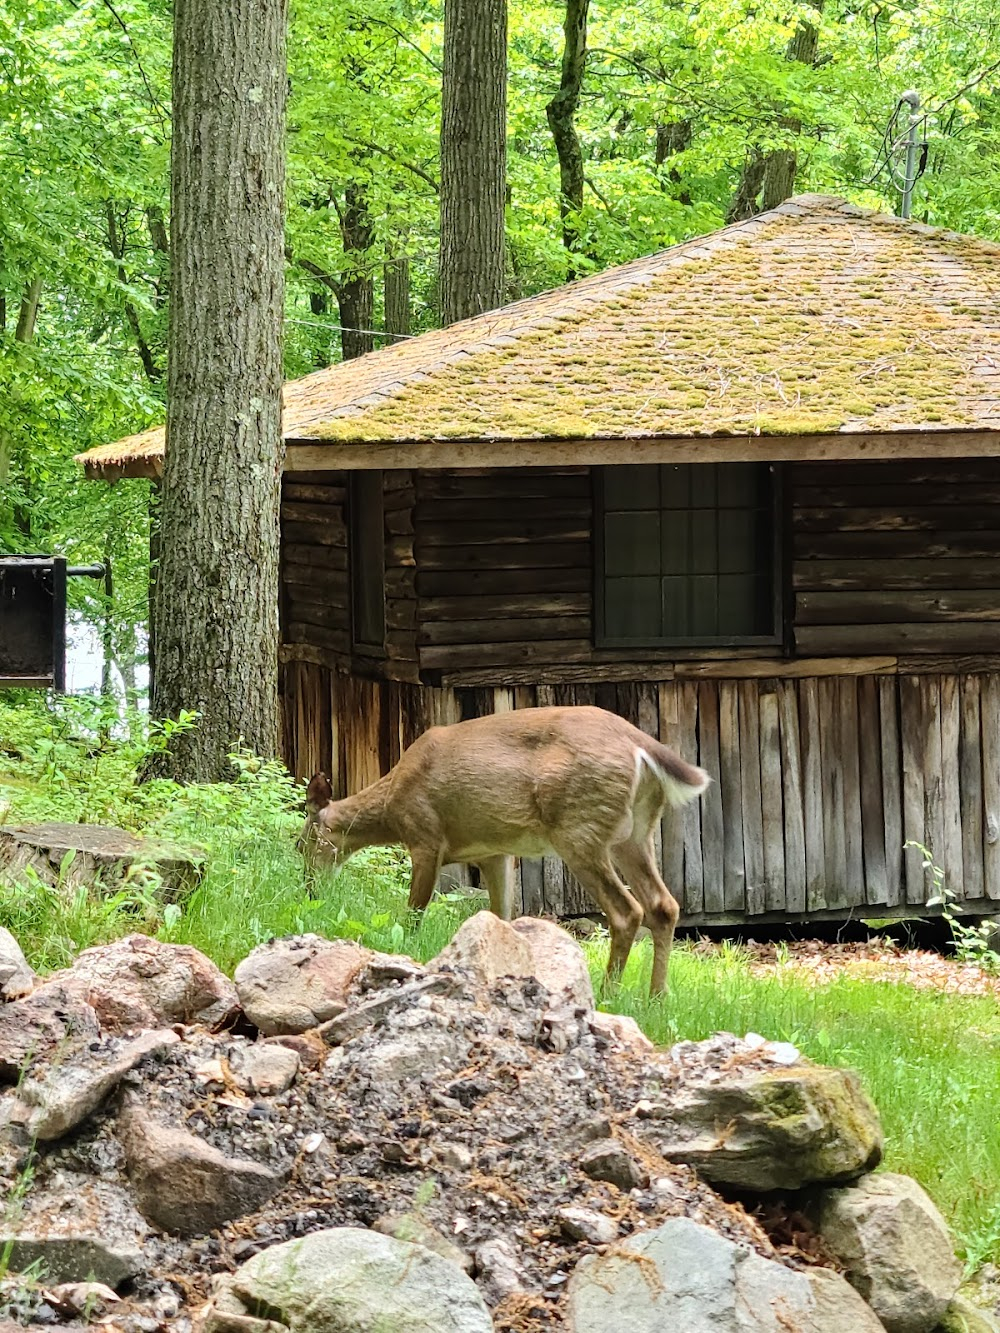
332	830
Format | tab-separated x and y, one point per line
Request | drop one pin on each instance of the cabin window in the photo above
687	554
367	561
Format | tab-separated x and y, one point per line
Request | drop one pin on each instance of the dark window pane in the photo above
631	488
705	537
631	544
632	608
367	560
676	542
675	483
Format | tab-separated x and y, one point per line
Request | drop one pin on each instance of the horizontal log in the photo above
405	499
835	493
331	478
503	631
318	613
894	545
399	551
513	604
557	674
596	673
515	483
315	555
505	531
505	582
333	660
506	654
889	575
313	493
299	511
320	636
854	608
314	534
401	615
513	510
399	522
787	669
400	581
911	471
900	517
325	584
536	556
963	664
397	479
952	638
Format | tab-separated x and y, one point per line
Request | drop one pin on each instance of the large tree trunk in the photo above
216	621
561	115
356	289
473	157
396	279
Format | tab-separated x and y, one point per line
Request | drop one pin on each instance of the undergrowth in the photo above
930	1061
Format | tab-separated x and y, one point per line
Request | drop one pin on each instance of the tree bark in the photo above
216	619
673	138
473	157
396	280
116	244
28	313
356	289
561	115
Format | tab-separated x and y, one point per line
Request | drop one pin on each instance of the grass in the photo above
930	1061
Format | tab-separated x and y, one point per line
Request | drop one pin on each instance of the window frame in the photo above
354	562
775	636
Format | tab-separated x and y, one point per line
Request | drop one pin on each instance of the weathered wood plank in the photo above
951	796
320	557
894	574
515	509
901	516
314	534
970	764
895	545
515	605
772	801
737	668
914	830
504	654
504	582
990	714
535	555
885	607
956	637
516	483
509	531
834	829
847	696
313	493
712	813
694	872
753	821
813	780
506	630
930	707
734	870
672	824
872	813
792	798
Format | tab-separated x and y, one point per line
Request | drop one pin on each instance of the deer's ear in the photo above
319	793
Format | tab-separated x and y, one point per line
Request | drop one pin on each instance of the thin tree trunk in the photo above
116	244
744	204
561	115
319	304
396	280
673	138
160	242
28	313
107	641
24	331
473	157
356	289
216	620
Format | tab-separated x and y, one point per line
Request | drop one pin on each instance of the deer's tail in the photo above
682	782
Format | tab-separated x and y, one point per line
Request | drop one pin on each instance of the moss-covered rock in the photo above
962	1316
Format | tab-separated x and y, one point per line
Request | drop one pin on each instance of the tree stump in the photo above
95	855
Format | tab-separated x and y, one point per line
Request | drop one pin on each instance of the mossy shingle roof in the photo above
816	317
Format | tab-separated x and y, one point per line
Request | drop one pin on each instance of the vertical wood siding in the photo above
817	782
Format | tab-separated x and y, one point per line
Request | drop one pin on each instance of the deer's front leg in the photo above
497	874
426	866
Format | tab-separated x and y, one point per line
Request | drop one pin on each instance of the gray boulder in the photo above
557	961
347	1280
184	1185
488	949
788	1123
51	1018
294	984
16	977
894	1247
684	1276
263	1069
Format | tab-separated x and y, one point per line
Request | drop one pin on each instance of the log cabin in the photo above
744	492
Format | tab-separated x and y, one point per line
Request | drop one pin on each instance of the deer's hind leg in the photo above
425	865
624	914
636	858
497	873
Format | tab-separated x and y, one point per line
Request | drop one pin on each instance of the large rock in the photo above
293	984
263	1069
488	949
51	1018
77	1227
894	1247
760	1118
684	1276
16	977
70	1090
962	1316
347	1280
138	982
184	1185
557	961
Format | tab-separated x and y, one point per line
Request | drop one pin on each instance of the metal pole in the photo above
912	99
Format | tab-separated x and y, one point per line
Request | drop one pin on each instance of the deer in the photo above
576	781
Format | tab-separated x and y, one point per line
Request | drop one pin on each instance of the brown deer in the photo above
580	782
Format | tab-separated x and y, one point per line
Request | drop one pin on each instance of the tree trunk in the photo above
116	244
216	621
473	157
561	115
670	139
28	312
396	279
356	289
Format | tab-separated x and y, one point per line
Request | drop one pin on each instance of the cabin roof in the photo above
816	318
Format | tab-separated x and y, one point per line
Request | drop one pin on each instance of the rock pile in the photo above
346	1141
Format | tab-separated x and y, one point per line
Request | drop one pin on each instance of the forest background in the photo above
689	115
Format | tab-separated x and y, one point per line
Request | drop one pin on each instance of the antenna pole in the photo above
912	99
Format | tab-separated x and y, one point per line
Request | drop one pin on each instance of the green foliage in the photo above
972	944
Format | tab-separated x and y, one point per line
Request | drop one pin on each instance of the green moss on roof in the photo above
816	317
